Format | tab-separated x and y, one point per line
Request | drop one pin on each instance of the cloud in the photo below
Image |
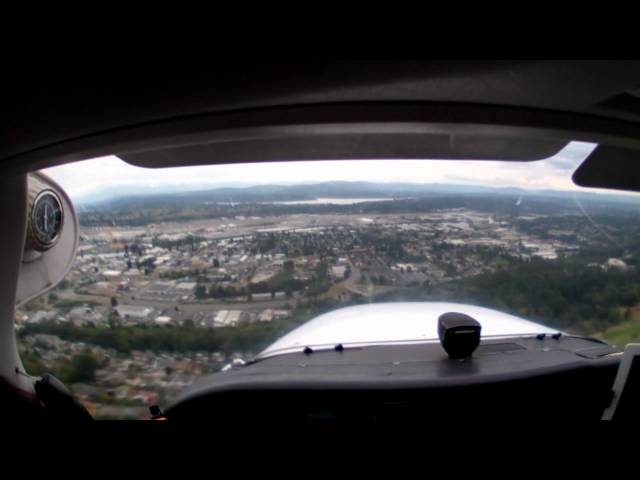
87	177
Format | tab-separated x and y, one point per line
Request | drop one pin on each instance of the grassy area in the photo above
69	304
625	332
334	292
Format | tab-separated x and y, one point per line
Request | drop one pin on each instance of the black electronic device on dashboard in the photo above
459	334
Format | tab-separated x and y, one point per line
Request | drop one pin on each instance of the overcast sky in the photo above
88	177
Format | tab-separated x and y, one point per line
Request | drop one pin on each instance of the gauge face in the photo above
46	219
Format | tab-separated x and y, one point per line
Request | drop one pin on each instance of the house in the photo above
616	263
162	320
41	316
186	288
134	312
84	315
260	297
111	274
338	271
228	318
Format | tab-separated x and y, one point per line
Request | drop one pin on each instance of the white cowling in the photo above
395	323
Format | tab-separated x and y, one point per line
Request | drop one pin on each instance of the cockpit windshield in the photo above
183	271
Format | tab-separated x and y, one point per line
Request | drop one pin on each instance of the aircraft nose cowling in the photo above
398	322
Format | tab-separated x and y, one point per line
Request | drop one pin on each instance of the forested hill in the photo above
407	198
343	189
566	294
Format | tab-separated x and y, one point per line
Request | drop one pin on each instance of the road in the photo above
354	284
213	306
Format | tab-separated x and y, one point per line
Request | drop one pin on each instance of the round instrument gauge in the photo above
46	220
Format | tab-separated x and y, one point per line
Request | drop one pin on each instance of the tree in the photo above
114	319
32	363
201	291
82	368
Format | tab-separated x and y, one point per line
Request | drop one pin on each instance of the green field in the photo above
625	332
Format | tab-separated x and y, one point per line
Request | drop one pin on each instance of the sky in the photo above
86	178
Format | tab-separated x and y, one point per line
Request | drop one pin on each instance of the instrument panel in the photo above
51	237
46	217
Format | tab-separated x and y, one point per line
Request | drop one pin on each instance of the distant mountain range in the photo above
106	193
243	193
